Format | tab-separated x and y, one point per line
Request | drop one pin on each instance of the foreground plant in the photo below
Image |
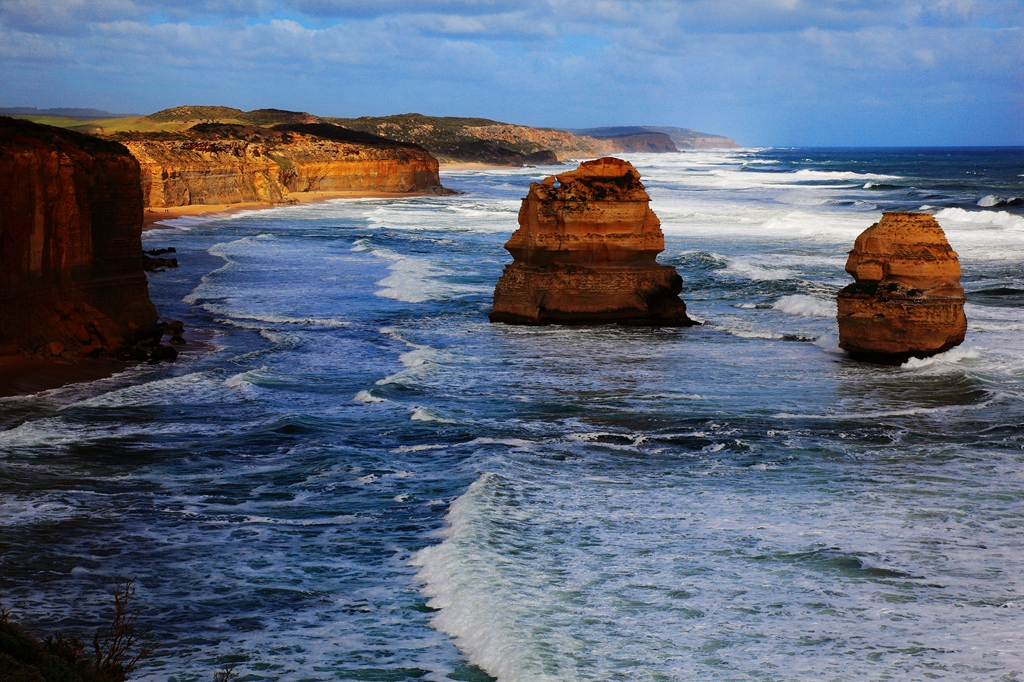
118	650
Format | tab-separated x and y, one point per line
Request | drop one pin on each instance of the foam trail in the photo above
459	575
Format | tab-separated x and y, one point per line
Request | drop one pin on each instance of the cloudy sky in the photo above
764	72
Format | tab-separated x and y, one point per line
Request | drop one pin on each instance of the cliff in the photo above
480	140
70	244
907	300
232	163
585	253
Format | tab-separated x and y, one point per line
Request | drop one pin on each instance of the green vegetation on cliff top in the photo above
446	137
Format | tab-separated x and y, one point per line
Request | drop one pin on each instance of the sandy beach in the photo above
154	215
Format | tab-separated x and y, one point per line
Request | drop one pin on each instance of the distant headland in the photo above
452	140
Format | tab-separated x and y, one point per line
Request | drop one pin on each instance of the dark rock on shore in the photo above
150	264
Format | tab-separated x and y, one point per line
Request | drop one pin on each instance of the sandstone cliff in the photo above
585	253
71	279
907	300
229	163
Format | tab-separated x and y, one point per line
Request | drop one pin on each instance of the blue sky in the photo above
764	72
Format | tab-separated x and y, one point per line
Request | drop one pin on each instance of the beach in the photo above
153	216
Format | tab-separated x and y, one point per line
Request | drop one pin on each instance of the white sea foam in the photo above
425	414
959	218
418	448
950	357
367	397
464	583
284	319
806	306
745	267
511	442
244	379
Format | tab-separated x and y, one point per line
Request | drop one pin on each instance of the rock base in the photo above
577	295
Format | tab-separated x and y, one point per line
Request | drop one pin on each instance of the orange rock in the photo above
228	164
70	240
585	253
907	300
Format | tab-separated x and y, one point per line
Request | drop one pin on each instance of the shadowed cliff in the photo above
71	278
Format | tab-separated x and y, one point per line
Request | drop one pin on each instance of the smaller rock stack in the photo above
585	253
907	300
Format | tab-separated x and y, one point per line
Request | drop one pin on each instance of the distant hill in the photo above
214	114
684	138
82	114
482	140
450	139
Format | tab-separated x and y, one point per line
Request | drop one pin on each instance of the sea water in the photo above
349	474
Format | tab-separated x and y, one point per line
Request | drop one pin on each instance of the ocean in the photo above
349	474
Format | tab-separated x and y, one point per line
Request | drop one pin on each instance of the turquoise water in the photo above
351	475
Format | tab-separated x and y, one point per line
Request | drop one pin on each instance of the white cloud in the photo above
604	59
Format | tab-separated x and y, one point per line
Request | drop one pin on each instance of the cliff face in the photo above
585	253
907	300
71	279
227	164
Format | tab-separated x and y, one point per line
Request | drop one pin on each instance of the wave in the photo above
746	268
955	216
425	414
463	578
284	319
806	306
991	200
415	279
950	357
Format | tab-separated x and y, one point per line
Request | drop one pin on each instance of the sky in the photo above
763	72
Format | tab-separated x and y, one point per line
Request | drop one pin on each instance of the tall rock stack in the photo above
907	300
71	279
585	253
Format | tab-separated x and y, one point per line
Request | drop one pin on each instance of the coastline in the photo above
153	216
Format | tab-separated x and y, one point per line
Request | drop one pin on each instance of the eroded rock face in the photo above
585	253
907	300
71	279
229	164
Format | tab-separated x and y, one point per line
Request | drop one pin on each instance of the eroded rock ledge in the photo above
907	300
585	253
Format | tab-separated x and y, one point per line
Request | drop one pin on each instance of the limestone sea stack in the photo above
585	253
907	300
71	279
